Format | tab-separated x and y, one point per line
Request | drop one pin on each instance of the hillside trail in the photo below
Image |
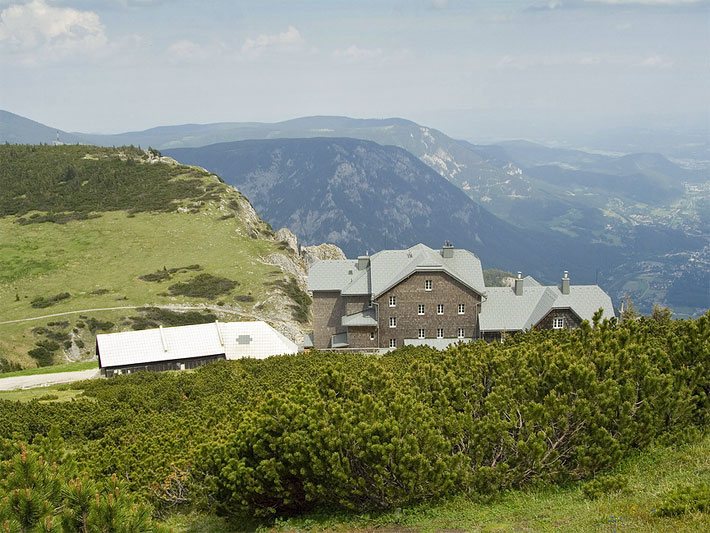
171	307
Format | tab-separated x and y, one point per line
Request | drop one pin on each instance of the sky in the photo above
475	69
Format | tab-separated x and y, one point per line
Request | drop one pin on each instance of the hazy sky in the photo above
472	68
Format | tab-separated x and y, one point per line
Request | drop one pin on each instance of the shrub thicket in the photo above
64	183
45	301
203	286
292	433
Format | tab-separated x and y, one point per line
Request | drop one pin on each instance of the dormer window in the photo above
428	285
393	301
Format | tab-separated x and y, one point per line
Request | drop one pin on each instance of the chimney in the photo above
519	284
447	251
363	261
565	283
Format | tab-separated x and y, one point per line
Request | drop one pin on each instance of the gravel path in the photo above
44	380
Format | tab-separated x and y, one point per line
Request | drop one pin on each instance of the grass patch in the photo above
203	286
66	367
58	393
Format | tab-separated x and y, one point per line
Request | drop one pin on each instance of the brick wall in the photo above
359	337
411	292
328	309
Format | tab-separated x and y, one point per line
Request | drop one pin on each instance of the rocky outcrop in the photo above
321	252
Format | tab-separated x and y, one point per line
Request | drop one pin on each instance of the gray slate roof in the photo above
504	311
390	267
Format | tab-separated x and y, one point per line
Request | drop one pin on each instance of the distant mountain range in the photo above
364	196
637	222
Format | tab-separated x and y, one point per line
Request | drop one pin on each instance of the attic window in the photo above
428	285
558	322
393	301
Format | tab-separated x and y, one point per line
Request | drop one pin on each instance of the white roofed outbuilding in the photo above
181	347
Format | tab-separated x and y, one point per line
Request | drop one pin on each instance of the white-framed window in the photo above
439	309
372	335
393	321
439	333
462	309
558	322
393	343
461	333
420	309
428	285
422	333
393	301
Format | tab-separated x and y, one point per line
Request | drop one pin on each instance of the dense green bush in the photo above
42	301
546	406
152	317
602	485
44	351
203	286
41	489
685	499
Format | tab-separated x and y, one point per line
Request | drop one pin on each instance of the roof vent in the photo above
447	251
519	284
565	283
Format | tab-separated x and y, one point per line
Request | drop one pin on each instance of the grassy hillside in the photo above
85	228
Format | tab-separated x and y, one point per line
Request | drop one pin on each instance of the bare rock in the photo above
287	236
321	252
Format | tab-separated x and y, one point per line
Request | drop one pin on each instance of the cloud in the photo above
523	62
291	38
656	61
37	32
354	53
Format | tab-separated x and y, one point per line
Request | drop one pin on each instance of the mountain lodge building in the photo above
421	296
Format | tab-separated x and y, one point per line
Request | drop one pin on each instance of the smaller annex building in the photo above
184	347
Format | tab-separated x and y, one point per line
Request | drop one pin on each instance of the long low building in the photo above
184	347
